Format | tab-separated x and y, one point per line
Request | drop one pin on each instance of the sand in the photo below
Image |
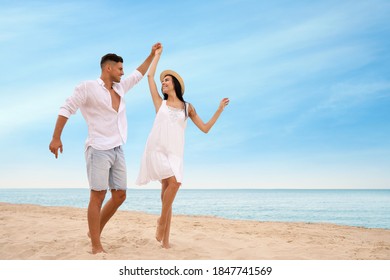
31	232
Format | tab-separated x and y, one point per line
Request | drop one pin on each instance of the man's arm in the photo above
143	68
56	143
72	104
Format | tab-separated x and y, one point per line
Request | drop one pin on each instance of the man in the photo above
103	108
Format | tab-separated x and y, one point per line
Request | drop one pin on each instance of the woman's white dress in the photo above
164	152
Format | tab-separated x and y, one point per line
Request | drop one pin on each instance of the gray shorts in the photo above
106	169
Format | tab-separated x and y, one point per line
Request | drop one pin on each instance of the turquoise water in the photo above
363	208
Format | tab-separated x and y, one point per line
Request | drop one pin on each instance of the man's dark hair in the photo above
110	57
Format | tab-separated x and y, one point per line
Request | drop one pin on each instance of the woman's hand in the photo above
224	102
158	49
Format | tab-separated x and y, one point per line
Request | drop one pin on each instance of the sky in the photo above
308	83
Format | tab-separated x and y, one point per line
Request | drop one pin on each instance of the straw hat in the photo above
174	74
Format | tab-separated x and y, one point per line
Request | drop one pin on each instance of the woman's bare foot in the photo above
159	231
165	242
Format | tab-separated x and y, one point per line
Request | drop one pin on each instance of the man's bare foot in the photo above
165	245
98	250
159	231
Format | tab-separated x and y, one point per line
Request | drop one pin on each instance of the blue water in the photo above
363	208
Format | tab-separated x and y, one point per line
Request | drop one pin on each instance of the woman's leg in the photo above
168	192
165	241
164	185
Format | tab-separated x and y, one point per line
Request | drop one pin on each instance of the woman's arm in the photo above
157	100
205	127
145	65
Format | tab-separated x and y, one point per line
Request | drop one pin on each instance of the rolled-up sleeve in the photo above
73	103
131	80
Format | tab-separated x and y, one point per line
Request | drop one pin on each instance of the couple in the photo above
103	108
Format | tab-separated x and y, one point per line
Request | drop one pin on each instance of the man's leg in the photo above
95	204
109	209
117	182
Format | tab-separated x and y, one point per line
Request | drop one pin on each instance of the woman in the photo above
163	156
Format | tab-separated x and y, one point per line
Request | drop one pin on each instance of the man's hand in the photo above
145	65
159	50
55	144
156	47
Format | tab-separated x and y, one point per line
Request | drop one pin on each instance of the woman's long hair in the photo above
177	87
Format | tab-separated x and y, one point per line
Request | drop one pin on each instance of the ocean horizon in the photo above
350	207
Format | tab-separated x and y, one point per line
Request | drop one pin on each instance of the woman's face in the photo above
167	85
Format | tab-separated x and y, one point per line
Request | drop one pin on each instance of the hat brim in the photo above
174	74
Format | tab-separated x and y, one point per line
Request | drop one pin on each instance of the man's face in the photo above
116	71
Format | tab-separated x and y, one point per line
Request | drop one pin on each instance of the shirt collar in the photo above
101	82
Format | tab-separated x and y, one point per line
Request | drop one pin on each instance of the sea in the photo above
360	208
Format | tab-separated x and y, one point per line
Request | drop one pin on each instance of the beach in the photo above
32	232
